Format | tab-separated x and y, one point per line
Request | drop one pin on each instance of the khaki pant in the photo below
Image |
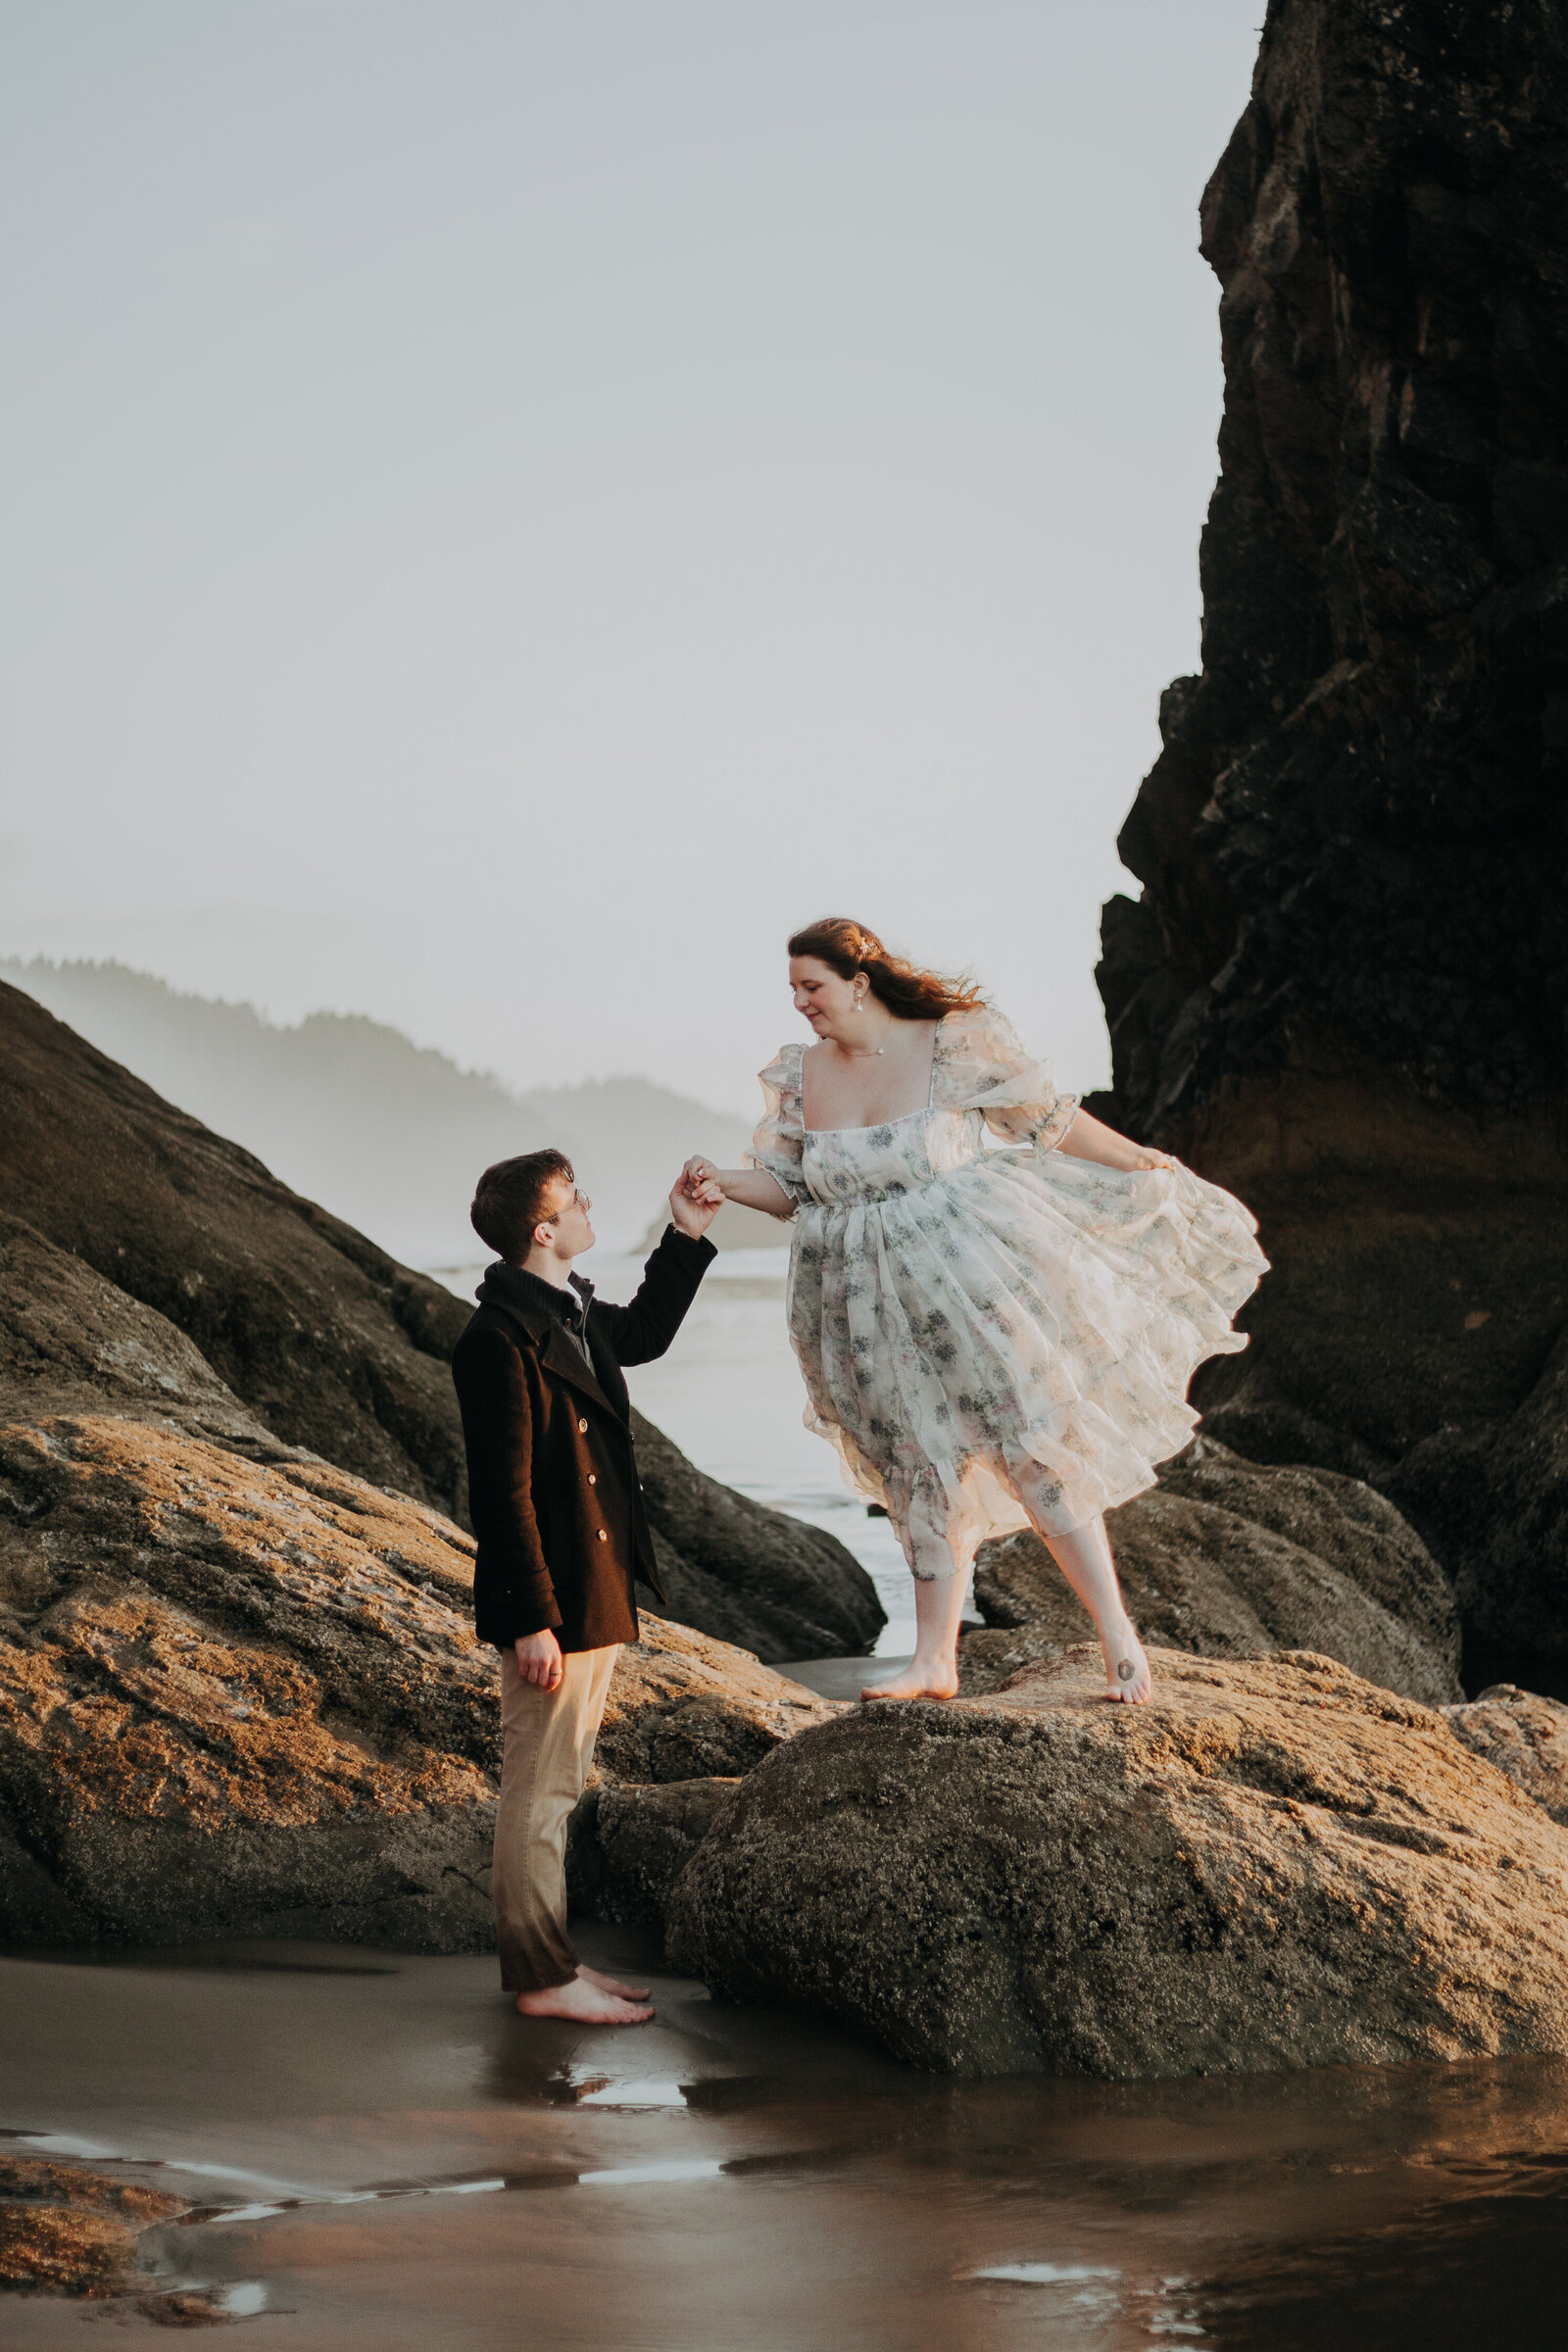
548	1746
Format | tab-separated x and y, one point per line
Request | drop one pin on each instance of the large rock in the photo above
1342	991
1353	827
1230	1560
154	1268
1273	1865
244	1697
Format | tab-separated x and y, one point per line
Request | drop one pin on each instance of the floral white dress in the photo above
993	1337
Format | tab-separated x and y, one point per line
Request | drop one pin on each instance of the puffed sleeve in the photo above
780	1139
983	1065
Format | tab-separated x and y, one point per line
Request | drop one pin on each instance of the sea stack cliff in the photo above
1344	989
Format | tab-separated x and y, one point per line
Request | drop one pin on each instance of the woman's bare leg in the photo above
1084	1560
933	1671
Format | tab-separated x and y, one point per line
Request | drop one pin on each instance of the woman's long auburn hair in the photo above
908	993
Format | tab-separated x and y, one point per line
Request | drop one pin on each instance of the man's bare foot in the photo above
1127	1677
584	2003
627	1993
917	1681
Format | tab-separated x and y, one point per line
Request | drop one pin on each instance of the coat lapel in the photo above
561	1356
556	1351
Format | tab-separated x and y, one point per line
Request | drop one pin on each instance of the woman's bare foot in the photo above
1127	1677
920	1679
627	1993
584	2003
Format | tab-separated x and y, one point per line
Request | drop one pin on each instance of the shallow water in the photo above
387	2157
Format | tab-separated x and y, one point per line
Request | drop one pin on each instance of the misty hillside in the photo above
385	1133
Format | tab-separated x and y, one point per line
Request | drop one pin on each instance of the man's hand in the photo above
539	1659
695	1199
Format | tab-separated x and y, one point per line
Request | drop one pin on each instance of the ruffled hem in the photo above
1120	1287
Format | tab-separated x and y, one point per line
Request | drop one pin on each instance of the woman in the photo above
991	1338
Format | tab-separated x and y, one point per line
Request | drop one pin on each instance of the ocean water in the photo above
730	1393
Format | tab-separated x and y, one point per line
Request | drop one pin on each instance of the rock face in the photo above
1273	1865
73	1343
1496	1496
155	1269
1356	821
1524	1736
1229	1560
1343	992
1412	1336
244	1697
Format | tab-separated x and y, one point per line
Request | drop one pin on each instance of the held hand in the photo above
539	1659
695	1199
700	1173
1152	1160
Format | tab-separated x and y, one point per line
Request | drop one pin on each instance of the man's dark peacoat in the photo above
553	1487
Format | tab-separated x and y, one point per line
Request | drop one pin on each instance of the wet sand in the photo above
387	2157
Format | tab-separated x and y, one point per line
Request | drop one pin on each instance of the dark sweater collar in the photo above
516	1288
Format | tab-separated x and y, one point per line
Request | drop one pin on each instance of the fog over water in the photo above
510	508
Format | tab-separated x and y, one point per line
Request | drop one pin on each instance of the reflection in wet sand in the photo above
603	2094
392	2159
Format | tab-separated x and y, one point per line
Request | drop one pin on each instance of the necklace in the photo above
873	1052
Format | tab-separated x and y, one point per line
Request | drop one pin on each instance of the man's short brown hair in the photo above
511	1201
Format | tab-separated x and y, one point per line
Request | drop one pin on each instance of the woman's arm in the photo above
1089	1138
750	1187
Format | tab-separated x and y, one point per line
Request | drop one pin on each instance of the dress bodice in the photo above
982	1076
840	1164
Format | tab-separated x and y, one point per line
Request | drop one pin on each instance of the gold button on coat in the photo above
593	1478
602	1538
582	1428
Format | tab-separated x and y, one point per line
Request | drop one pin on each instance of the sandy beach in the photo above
382	2156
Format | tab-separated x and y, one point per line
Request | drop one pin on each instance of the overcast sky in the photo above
510	508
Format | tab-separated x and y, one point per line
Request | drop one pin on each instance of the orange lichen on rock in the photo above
67	2230
242	1697
234	1694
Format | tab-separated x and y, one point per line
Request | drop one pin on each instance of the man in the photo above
563	1534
